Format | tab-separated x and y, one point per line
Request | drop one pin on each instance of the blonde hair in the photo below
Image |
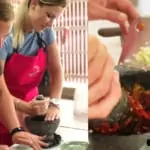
18	33
6	11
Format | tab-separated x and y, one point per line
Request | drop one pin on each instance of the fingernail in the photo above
122	17
123	21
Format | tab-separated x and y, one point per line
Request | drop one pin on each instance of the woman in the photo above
6	103
27	51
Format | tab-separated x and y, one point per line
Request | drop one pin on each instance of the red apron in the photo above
23	74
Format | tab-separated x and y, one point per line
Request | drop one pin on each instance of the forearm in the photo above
8	114
56	84
21	106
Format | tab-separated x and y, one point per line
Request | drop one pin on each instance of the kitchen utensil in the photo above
133	40
38	126
110	32
40	97
137	36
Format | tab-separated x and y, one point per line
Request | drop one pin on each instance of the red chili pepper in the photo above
127	121
106	128
138	108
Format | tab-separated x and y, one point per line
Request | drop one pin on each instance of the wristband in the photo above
55	102
15	130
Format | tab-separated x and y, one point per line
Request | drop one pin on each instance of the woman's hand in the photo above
4	147
53	112
38	107
103	80
31	140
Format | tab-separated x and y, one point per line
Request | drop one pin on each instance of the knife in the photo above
136	37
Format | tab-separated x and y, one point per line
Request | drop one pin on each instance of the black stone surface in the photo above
38	126
128	77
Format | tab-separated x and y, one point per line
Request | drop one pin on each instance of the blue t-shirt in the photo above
30	45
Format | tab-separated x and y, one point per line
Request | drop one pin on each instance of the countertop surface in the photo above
71	128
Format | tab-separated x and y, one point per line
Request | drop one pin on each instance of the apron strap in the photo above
41	42
15	50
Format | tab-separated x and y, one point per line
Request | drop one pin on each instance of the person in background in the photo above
104	87
8	114
27	52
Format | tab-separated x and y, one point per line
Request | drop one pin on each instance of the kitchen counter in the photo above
71	128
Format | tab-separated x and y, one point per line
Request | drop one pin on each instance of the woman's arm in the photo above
8	114
21	105
4	147
55	71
